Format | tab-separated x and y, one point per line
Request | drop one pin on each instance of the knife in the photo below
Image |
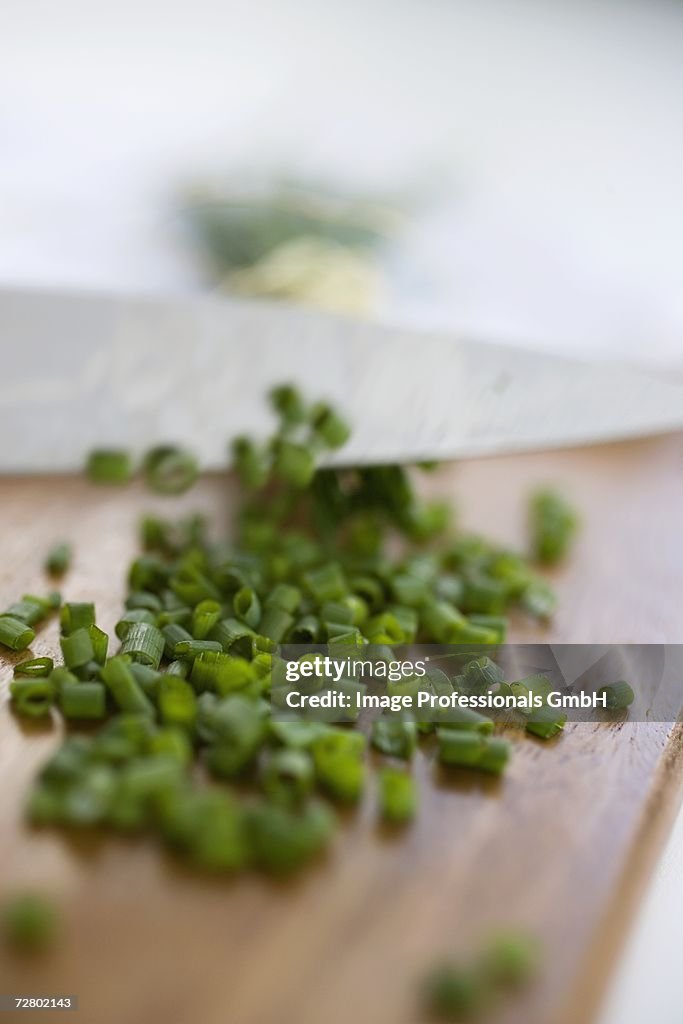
85	370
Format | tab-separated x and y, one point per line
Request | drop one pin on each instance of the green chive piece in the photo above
329	427
58	559
451	992
458	717
131	618
305	631
538	598
32	698
553	524
76	615
29	922
222	673
193	648
177	702
338	765
14	633
326	583
61	675
205	616
144	643
210	827
123	687
247	606
481	673
156	535
100	644
251	463
492	623
83	700
619	695
471	749
397	796
284	596
276	623
170	470
283	840
173	634
29	610
293	463
510	959
288	404
288	776
143	599
109	466
394	736
148	679
546	722
77	648
34	668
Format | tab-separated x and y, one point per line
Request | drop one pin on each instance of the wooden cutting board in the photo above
561	845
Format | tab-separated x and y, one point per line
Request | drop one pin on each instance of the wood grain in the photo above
560	845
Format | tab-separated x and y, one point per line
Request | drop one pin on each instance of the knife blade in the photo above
81	370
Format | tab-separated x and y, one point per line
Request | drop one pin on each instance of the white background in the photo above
552	131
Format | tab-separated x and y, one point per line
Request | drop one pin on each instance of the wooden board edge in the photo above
600	958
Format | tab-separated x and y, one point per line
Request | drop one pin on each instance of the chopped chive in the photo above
619	695
29	610
34	668
293	463
14	633
451	992
458	717
398	796
471	749
83	700
283	840
100	643
61	675
173	633
288	776
394	736
109	466
32	698
251	463
276	623
193	648
144	643
143	599
553	524
339	768
157	535
205	616
77	648
247	606
130	618
329	427
284	596
288	404
510	959
170	470
76	615
177	701
123	687
29	922
326	583
545	722
58	559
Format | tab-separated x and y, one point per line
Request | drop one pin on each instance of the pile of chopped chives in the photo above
190	680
